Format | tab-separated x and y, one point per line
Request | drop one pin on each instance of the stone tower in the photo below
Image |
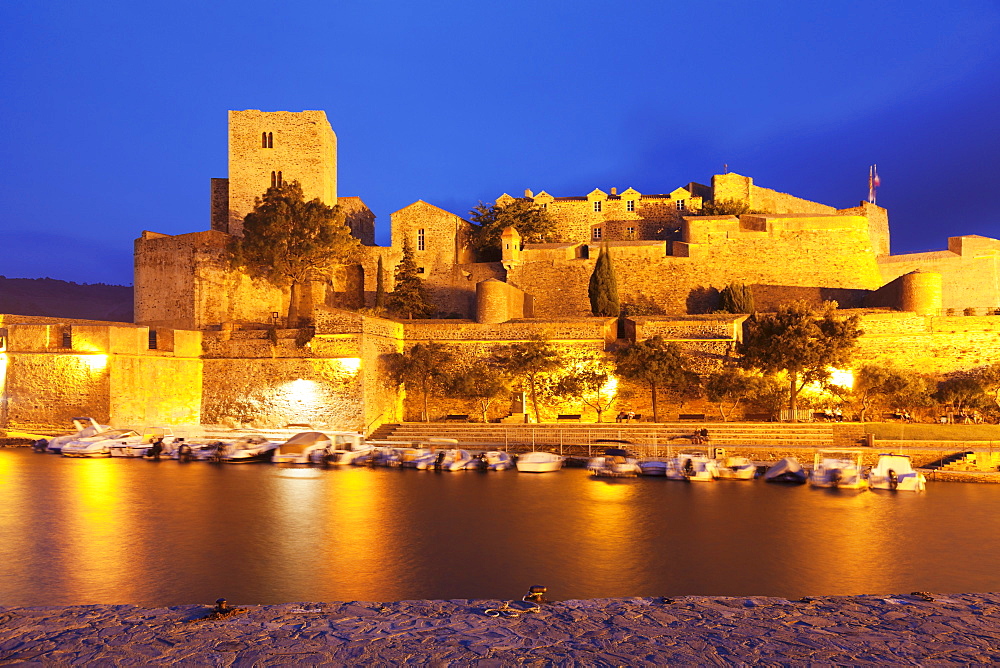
270	147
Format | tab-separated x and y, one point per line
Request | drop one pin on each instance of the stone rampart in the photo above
741	188
930	344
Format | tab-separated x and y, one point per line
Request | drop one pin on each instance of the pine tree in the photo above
379	285
409	297
603	288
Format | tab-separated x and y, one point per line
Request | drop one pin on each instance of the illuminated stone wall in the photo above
107	372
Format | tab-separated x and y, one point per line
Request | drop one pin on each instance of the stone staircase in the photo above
573	436
969	461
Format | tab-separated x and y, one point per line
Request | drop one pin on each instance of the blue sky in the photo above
114	113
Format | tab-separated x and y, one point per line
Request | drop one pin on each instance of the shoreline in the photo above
949	628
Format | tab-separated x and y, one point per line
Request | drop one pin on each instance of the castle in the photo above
205	330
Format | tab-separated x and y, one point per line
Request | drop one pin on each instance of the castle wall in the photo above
970	271
829	251
929	344
741	188
304	149
107	373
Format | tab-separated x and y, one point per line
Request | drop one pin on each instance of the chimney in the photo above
614	191
528	193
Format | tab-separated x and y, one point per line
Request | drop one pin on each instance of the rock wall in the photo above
929	344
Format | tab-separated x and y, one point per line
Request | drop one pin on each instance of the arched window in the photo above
274	179
279	180
263	140
267	140
270	140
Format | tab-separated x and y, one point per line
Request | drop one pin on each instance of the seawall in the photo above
690	630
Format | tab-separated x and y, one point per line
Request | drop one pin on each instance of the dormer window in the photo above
267	140
680	205
597	206
630	205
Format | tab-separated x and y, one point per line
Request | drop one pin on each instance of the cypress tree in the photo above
603	289
379	285
736	298
409	297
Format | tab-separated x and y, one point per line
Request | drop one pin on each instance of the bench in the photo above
565	418
457	417
700	417
625	418
757	417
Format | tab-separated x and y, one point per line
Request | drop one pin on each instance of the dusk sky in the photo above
114	113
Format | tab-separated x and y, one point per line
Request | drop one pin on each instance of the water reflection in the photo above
122	531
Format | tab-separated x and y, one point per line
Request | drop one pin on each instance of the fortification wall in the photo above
833	252
650	217
878	224
929	344
970	271
107	373
302	146
741	188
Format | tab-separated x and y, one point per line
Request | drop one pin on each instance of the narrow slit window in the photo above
270	140
280	182
152	339
263	140
274	179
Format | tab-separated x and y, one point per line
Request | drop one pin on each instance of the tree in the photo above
799	341
603	288
290	242
409	296
589	386
481	383
655	362
877	383
736	298
528	360
725	207
379	285
729	387
531	221
989	380
960	392
422	366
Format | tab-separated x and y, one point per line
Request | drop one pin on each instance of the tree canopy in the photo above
657	363
800	341
482	383
527	360
736	298
531	221
603	288
420	367
289	241
409	297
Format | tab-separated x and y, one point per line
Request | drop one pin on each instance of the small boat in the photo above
614	463
894	472
736	468
539	462
654	466
300	449
345	448
693	465
787	470
145	444
98	445
417	458
497	460
387	453
838	468
247	450
453	459
85	427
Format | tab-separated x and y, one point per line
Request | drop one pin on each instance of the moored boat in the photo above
614	463
345	448
539	462
653	466
838	469
736	468
85	427
249	449
693	465
787	470
303	448
894	472
98	445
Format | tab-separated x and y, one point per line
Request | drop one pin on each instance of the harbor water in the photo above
162	533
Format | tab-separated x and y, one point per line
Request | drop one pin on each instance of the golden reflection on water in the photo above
98	523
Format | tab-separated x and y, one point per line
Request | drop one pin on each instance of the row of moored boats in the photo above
831	468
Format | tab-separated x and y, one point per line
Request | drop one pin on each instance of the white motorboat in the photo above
85	427
145	444
452	459
247	450
656	466
300	449
736	468
388	453
98	445
894	472
198	451
346	447
539	462
417	458
614	463
838	468
693	465
787	470
497	460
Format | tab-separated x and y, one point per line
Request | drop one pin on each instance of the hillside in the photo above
62	299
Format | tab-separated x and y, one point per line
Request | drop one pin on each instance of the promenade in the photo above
692	630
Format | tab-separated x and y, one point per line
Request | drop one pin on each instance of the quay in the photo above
914	629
